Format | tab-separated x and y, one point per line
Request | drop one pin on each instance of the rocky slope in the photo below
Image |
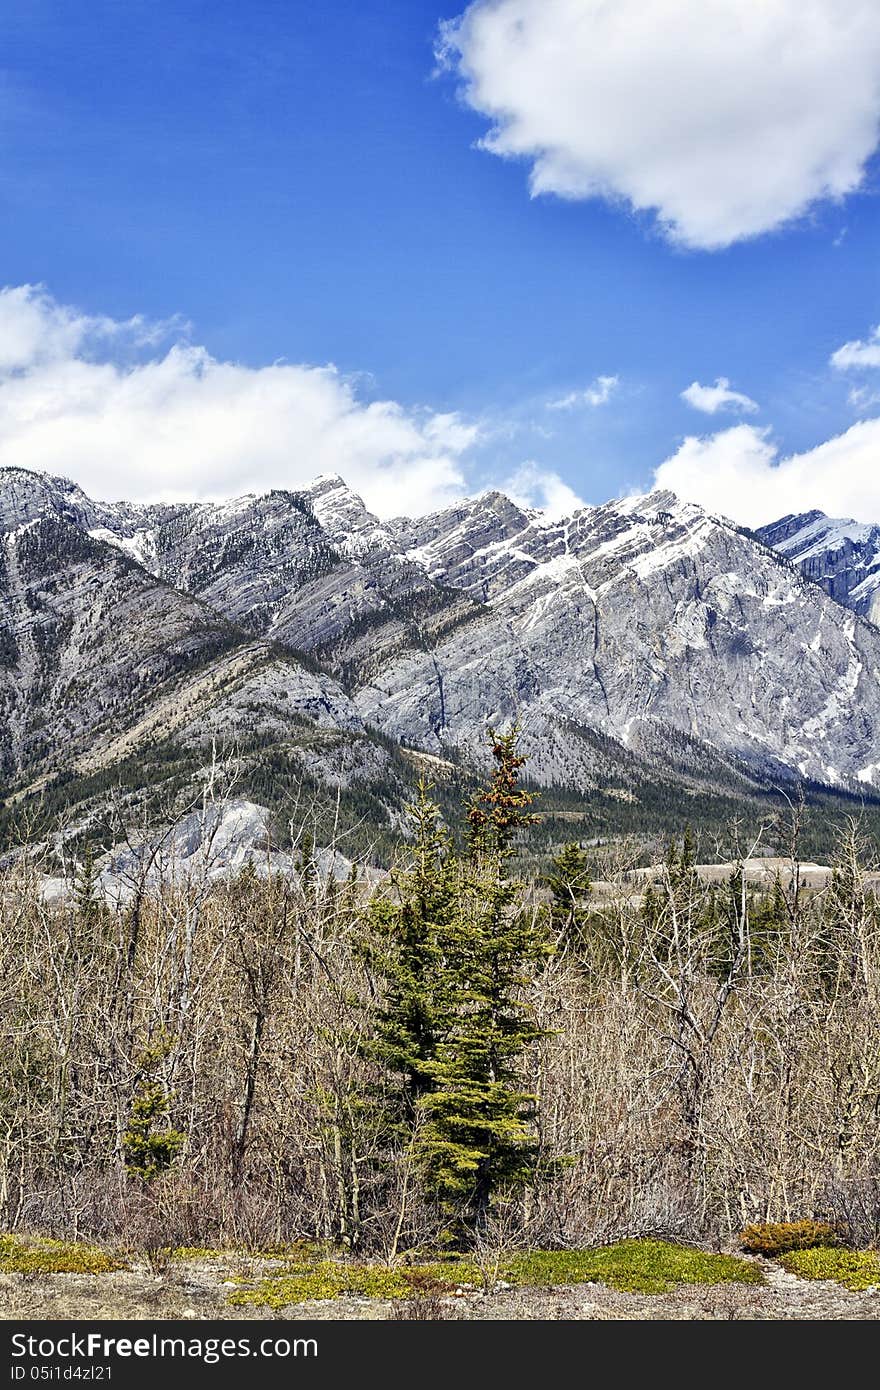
314	570
647	621
110	677
89	643
640	640
842	556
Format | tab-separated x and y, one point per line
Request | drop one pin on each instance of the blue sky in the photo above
297	182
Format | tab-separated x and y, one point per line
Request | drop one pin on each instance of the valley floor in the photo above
198	1290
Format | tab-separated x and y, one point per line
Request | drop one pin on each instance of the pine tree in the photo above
652	908
412	929
683	882
499	811
150	1146
308	867
455	949
681	864
769	919
86	887
477	1139
569	884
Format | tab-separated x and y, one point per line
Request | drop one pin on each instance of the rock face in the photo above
313	571
99	658
88	642
842	556
647	621
638	639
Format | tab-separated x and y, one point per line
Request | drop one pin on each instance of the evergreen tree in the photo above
777	912
308	867
499	811
684	891
412	931
477	1139
652	908
681	865
150	1145
569	884
769	917
456	949
86	887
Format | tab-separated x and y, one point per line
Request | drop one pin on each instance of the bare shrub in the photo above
709	1058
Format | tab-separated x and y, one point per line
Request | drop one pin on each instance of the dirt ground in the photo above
200	1290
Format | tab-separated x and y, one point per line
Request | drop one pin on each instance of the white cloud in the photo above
858	353
180	424
726	118
739	473
711	399
599	392
533	486
863	397
35	329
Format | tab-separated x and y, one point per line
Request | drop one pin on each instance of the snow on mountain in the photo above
841	555
100	660
637	639
648	622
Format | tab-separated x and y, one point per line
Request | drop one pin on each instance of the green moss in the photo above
34	1255
854	1269
633	1266
321	1278
326	1279
455	1273
199	1252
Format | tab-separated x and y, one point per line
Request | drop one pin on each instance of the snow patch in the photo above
682	548
140	547
825	533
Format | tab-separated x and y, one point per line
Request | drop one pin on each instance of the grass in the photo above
633	1266
36	1255
856	1270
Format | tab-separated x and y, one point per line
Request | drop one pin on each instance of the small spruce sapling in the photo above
150	1145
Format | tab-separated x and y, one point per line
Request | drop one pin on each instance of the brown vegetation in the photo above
195	1067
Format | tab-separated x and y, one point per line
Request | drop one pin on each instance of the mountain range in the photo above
641	644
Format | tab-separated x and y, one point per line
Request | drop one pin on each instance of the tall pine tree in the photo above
456	950
478	1138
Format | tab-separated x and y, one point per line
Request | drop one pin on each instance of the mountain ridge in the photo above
640	639
841	555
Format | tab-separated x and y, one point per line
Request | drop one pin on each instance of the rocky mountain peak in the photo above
839	554
26	496
643	637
